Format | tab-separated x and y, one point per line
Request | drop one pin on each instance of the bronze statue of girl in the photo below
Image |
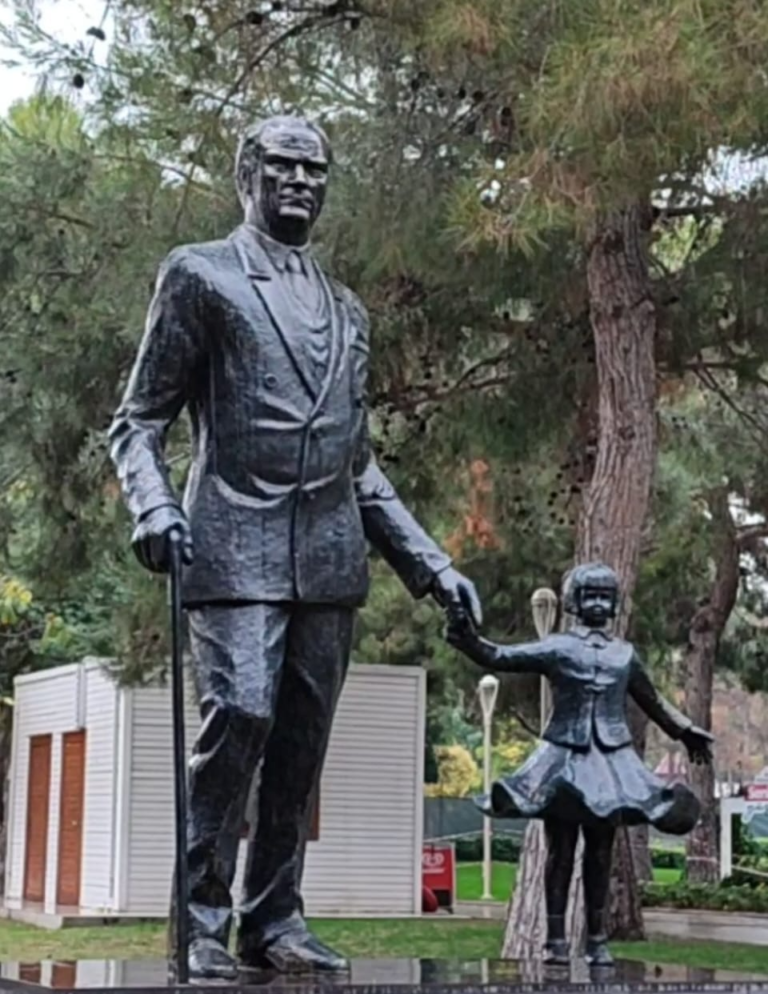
586	773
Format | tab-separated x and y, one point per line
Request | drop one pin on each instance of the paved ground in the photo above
480	909
712	926
708	926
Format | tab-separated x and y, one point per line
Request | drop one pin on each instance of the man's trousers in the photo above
268	678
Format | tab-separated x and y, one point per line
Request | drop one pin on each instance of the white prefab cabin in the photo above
90	821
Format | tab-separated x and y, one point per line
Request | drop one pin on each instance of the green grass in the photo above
24	942
446	938
431	937
442	937
712	955
469	880
666	876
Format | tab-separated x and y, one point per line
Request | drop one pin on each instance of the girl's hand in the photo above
699	744
460	631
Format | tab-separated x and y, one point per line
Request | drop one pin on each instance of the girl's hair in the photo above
588	575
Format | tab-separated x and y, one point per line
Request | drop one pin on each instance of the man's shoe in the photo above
296	952
209	960
597	953
557	952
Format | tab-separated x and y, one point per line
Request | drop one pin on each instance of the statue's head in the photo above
591	592
281	174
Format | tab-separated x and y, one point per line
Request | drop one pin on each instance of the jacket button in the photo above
270	380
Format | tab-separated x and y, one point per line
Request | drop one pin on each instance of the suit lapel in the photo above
335	346
264	279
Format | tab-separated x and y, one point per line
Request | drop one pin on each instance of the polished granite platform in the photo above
393	976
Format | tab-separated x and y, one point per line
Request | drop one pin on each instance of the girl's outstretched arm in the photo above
527	657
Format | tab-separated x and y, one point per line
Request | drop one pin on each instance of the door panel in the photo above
38	797
71	819
64	975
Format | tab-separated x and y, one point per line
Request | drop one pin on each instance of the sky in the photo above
67	20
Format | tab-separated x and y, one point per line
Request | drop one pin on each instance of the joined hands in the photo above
699	745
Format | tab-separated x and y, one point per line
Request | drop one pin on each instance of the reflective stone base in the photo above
396	976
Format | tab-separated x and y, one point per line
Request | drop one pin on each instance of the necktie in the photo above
294	264
305	287
307	294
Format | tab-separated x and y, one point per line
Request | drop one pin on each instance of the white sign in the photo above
756	796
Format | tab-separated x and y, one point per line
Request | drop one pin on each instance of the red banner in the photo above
438	871
757	793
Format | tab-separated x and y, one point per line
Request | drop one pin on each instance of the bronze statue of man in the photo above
270	357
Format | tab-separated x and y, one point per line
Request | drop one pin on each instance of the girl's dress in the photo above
586	770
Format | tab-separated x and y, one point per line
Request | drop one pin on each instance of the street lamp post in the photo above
544	608
488	689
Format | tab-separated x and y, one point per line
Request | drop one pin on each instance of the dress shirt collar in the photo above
584	632
278	252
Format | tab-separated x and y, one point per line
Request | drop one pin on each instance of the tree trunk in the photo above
611	525
526	928
615	512
639	837
525	931
701	863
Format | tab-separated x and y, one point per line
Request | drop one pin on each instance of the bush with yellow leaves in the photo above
457	773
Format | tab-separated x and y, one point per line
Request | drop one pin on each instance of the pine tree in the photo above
609	108
504	175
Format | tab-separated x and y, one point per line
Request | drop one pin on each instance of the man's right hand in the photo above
151	539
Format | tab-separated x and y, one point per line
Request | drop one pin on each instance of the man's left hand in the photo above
453	591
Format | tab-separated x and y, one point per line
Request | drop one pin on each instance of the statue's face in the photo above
597	605
288	189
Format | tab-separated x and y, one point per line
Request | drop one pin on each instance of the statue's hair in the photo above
251	146
588	575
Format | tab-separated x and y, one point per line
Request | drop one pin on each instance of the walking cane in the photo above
179	763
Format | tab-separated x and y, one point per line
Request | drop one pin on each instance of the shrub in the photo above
469	850
504	849
457	773
667	859
727	896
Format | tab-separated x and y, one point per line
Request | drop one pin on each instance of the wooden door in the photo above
64	975
71	819
38	795
31	973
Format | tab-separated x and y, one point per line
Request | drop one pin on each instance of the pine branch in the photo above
420	393
341	87
524	724
747	534
320	22
752	619
692	210
710	382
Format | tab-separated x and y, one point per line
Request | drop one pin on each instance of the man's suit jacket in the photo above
284	489
590	675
